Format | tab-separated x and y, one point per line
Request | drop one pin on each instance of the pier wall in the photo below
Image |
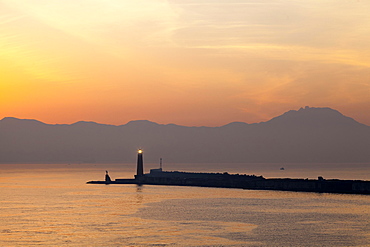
285	184
251	182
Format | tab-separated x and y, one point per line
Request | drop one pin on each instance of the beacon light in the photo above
140	151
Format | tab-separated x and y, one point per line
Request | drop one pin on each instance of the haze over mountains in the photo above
307	135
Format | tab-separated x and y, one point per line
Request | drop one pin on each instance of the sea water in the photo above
51	205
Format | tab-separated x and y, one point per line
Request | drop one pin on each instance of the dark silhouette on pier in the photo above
107	177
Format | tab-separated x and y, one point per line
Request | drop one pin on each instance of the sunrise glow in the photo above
186	62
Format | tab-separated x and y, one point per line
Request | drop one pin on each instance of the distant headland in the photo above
307	135
226	180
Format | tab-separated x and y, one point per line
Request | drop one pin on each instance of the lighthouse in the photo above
140	166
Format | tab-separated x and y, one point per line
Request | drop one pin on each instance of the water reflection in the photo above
139	194
54	207
139	188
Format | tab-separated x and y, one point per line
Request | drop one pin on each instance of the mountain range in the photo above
307	135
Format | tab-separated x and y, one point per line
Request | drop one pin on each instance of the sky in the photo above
188	62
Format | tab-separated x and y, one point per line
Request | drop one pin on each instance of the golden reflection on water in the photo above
54	207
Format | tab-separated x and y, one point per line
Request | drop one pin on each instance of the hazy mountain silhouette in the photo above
306	135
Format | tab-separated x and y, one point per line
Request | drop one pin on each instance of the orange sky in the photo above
194	63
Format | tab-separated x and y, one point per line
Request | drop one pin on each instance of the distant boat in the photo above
282	168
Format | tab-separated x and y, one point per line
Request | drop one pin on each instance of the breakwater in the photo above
225	180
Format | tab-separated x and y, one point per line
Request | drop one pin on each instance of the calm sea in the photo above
51	205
